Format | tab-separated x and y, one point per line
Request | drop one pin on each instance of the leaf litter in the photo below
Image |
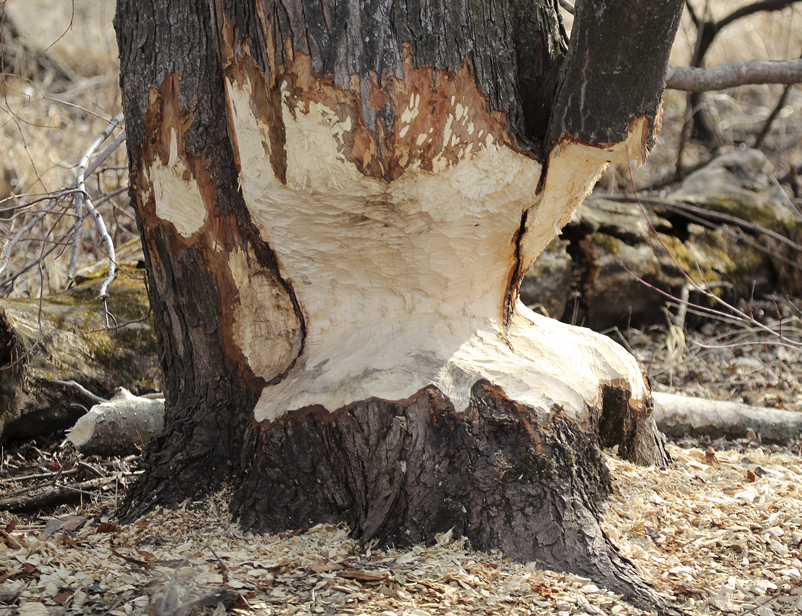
716	538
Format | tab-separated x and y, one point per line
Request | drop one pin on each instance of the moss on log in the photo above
62	338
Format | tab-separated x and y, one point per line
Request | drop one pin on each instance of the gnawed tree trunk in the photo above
338	202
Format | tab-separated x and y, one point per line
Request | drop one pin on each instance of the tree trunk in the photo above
338	202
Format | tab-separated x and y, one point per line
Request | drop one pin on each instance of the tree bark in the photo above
337	203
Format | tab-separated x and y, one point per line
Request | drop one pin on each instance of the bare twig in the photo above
690	110
751	9
727	311
52	475
56	496
93	397
82	199
772	116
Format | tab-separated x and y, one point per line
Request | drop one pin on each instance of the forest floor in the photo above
718	532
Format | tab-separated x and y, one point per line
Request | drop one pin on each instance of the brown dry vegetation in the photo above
47	120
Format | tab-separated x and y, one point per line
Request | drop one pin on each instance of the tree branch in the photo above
732	74
751	9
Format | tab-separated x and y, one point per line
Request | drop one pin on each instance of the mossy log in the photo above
62	338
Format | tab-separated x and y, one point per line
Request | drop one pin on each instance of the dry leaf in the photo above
62	596
64	524
750	476
323	568
365	576
108	527
711	459
10	540
136	561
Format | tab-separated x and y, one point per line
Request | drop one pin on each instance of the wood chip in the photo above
713	538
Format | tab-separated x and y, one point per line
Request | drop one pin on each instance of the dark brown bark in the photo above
615	70
206	391
515	48
403	472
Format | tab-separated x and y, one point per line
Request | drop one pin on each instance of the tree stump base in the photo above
403	472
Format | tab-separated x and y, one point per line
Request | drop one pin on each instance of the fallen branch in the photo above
38	393
118	426
54	496
677	416
732	74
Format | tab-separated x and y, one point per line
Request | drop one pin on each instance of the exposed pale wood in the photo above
120	426
678	416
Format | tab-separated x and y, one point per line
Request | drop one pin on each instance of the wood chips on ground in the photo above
720	532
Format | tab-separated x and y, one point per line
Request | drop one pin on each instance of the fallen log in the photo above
120	426
44	346
678	416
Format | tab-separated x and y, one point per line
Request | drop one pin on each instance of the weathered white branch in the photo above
680	415
732	74
82	198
